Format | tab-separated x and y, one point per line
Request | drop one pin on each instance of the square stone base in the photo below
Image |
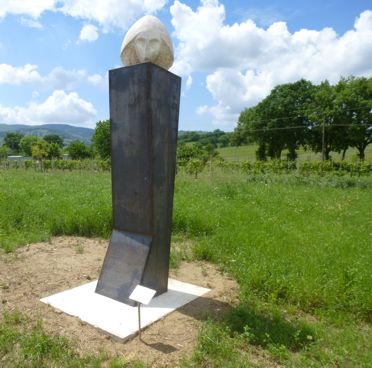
118	319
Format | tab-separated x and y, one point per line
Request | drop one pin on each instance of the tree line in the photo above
49	147
217	138
52	147
323	118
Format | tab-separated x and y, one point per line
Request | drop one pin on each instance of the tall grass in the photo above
299	247
287	241
35	205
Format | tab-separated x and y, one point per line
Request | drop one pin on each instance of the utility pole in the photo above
323	141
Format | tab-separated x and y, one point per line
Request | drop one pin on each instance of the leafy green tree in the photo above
354	104
12	141
238	137
54	138
215	138
195	166
282	113
224	140
54	151
4	152
187	152
26	143
102	139
326	132
78	150
40	150
325	118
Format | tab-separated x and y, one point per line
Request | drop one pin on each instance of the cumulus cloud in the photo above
32	8
245	61
57	78
19	75
110	14
88	33
107	14
60	107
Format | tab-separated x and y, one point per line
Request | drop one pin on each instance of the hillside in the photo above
67	132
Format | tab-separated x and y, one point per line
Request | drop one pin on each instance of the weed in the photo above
79	248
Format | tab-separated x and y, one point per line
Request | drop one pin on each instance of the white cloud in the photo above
58	78
245	61
110	14
88	33
60	107
29	22
31	8
19	75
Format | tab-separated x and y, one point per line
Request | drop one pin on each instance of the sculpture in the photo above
144	108
147	41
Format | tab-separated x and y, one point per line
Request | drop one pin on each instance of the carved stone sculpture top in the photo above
147	41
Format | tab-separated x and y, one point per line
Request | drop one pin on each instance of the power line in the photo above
301	127
290	117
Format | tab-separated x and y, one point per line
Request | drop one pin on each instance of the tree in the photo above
40	150
188	152
102	139
78	150
238	137
278	121
283	115
224	140
215	138
194	167
54	151
26	143
54	138
12	141
325	118
4	152
354	102
326	133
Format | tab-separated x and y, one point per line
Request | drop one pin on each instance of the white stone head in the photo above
147	41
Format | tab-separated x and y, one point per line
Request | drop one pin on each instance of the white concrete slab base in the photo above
119	319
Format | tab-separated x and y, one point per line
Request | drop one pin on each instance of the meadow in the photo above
248	152
299	247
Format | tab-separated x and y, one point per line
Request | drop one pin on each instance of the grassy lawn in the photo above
300	249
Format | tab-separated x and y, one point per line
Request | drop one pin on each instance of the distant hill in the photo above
67	132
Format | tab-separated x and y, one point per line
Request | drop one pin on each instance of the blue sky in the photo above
54	54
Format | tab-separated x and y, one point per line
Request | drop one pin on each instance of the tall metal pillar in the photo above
144	110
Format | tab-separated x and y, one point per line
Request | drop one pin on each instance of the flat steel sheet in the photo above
123	266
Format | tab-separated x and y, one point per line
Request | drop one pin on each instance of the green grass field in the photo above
300	249
243	153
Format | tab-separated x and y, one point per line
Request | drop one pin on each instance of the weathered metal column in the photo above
144	109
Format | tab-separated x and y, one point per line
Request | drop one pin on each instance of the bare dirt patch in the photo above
43	269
